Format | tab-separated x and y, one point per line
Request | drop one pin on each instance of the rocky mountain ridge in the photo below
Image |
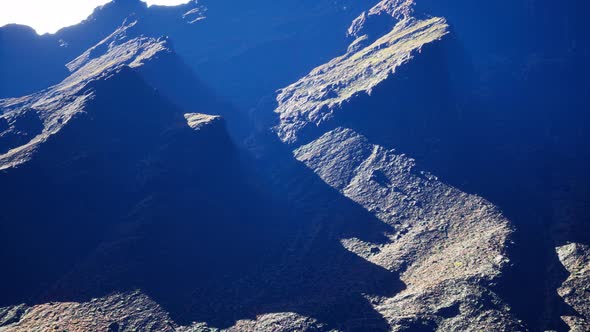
317	96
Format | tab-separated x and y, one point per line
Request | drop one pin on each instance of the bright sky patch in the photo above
49	16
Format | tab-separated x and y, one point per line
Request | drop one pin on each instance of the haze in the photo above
49	16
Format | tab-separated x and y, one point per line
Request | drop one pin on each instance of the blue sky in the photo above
49	16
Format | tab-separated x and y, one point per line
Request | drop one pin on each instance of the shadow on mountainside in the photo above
218	251
127	196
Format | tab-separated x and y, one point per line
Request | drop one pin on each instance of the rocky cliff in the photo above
84	150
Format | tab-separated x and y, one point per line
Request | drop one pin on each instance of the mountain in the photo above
394	165
144	186
231	38
103	136
477	125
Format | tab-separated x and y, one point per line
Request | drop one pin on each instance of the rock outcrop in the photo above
313	100
132	311
576	289
448	246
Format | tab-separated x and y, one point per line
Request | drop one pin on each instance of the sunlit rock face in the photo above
448	246
314	99
575	258
121	312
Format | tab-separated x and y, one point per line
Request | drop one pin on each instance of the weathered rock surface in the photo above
119	312
10	315
279	322
127	312
448	246
576	289
197	121
379	19
314	99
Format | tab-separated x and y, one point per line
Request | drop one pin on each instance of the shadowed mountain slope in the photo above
28	62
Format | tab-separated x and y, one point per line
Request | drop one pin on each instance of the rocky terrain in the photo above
296	166
576	259
315	98
448	246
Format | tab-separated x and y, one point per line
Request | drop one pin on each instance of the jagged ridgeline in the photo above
395	165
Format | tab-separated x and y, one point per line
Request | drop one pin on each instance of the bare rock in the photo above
449	246
132	311
197	121
575	290
380	18
314	99
13	314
